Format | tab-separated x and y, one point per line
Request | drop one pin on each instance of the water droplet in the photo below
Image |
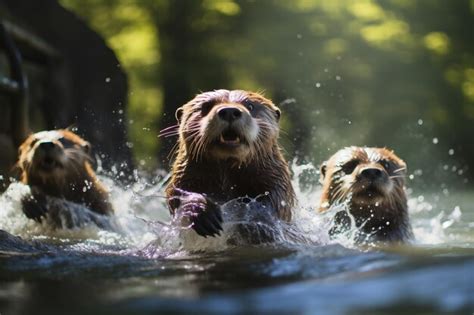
388	223
318	85
299	36
107	79
456	214
451	152
435	141
420	122
338	78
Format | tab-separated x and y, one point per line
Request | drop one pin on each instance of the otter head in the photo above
48	158
365	176
228	125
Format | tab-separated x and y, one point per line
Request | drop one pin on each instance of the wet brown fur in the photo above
258	169
68	181
341	184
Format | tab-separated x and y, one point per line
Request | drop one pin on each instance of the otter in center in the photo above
227	149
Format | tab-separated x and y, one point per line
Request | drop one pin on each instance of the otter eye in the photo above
66	143
33	142
86	147
350	166
251	106
278	114
386	165
206	107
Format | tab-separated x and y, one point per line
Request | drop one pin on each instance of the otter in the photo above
370	182
57	164
228	148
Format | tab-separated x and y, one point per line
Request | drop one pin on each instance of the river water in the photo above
144	262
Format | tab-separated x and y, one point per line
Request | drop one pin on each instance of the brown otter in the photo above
228	148
57	163
370	181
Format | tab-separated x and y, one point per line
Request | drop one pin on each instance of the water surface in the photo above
146	263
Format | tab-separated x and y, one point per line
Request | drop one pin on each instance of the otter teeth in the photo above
233	141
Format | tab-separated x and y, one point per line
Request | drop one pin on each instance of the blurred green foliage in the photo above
396	73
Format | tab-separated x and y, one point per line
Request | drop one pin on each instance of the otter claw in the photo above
207	222
34	208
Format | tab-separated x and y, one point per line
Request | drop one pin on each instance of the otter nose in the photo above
47	146
229	113
371	173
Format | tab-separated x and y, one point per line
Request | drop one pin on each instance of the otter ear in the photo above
178	114
278	114
322	171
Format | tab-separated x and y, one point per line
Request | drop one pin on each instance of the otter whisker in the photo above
167	135
397	176
172	151
400	169
169	127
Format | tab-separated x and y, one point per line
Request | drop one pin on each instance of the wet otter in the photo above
57	164
371	182
228	148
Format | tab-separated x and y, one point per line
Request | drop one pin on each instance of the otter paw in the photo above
34	208
204	214
208	221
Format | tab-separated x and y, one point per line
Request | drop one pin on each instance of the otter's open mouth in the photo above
230	138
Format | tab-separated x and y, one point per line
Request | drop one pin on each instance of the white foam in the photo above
143	222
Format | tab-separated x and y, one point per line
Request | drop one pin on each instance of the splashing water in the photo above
151	254
142	221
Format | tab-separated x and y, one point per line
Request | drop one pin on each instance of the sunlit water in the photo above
143	261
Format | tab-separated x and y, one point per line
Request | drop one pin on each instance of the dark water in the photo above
148	267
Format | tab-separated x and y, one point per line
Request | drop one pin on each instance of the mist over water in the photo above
158	262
